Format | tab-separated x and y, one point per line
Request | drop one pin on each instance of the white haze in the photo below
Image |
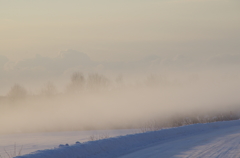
127	104
161	58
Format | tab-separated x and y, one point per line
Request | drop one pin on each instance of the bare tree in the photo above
49	90
97	82
17	92
152	80
77	82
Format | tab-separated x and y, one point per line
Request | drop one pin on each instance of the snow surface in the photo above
219	139
31	142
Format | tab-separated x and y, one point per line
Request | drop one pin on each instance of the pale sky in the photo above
119	30
48	40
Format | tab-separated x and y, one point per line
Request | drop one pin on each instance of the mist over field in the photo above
81	65
95	101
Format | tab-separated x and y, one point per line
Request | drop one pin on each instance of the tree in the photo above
77	82
96	81
17	92
49	90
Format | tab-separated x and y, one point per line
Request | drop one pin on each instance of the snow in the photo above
219	139
31	142
223	142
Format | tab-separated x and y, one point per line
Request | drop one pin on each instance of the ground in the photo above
218	139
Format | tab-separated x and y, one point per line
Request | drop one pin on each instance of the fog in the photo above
97	101
82	65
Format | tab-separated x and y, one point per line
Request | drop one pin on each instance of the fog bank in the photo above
122	103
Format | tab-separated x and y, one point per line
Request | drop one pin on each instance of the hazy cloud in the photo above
3	61
225	59
42	69
54	66
72	60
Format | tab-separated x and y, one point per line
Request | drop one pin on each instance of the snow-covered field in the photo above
31	142
219	139
219	143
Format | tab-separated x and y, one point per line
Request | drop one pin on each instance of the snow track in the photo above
221	143
219	139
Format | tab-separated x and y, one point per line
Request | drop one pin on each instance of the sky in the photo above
54	37
118	30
